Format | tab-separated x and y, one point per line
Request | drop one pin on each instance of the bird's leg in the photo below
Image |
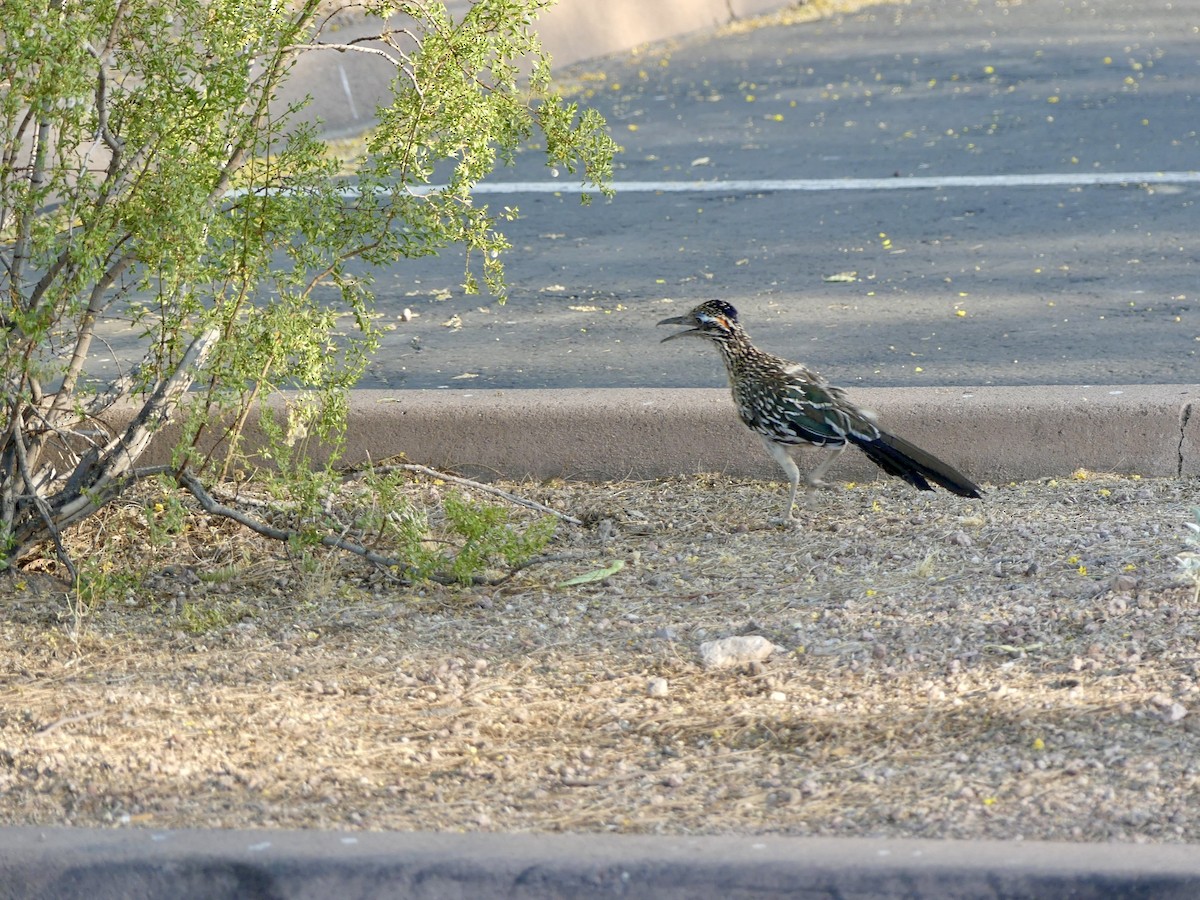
779	452
814	477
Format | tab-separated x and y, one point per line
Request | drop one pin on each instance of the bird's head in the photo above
715	320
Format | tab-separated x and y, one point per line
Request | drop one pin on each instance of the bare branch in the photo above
347	48
158	410
87	328
102	55
118	389
101	474
69	720
478	486
212	507
43	508
37	177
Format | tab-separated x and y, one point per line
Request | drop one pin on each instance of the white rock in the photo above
735	651
657	687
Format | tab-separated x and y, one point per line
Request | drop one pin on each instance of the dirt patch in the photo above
1022	666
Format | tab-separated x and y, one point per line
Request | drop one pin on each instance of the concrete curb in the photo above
129	863
995	434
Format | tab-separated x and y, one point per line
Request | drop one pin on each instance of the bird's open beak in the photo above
679	320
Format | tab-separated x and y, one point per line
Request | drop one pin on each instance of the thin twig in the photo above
69	720
537	561
478	486
344	48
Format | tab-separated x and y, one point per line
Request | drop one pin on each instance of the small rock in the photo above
657	687
735	651
1123	584
777	696
960	539
1176	712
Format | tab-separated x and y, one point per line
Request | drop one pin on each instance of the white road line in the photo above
749	186
767	185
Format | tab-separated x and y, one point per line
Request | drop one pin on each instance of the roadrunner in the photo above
787	404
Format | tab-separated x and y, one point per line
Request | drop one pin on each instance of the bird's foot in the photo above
790	521
810	496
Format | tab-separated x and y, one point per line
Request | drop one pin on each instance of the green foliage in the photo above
471	536
394	521
151	184
488	535
101	582
165	519
292	474
201	618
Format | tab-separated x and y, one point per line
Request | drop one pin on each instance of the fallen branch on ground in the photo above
475	485
210	505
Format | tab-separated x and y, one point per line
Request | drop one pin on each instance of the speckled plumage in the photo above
786	404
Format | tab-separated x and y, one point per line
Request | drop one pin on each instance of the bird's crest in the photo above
716	314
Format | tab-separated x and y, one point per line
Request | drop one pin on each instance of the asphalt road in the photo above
1012	282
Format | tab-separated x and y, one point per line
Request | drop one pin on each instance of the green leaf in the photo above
596	575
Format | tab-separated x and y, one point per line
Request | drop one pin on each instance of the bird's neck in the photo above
742	357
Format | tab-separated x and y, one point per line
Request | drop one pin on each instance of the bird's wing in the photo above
804	408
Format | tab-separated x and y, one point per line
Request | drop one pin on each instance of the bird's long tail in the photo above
898	457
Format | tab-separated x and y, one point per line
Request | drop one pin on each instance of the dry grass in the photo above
1025	665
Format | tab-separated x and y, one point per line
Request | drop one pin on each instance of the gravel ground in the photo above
1021	666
